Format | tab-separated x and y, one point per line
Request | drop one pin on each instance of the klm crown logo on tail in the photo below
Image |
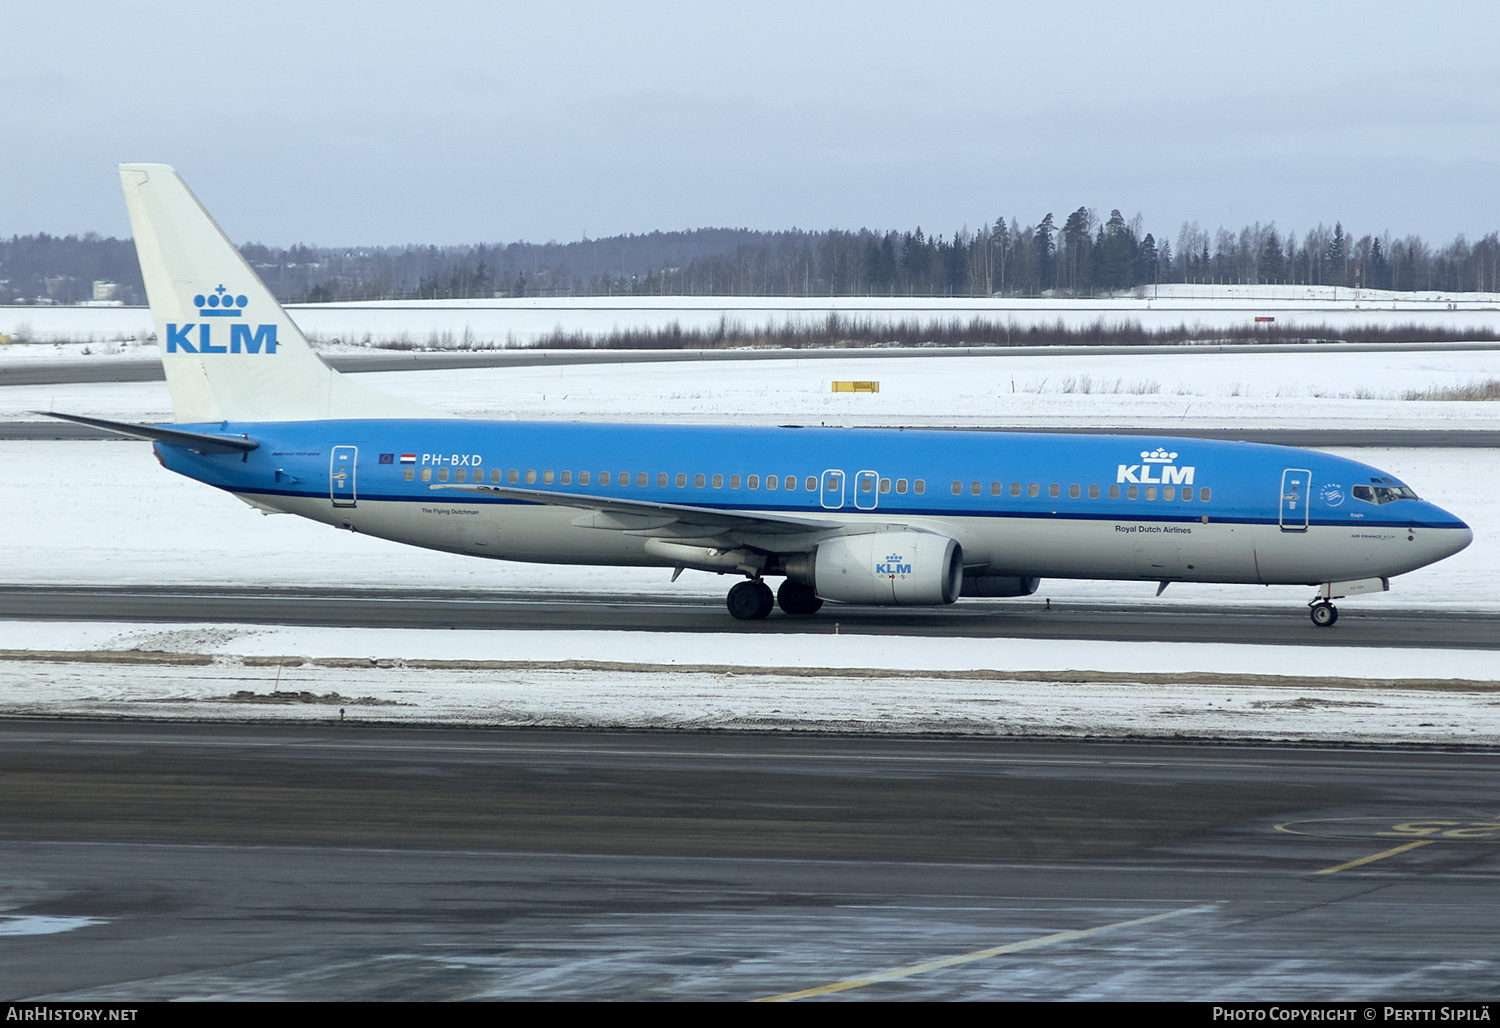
220	304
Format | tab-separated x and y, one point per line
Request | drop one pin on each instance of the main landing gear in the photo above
751	601
798	599
1323	613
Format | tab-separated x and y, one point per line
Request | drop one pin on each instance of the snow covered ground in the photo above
1181	392
663	681
450	323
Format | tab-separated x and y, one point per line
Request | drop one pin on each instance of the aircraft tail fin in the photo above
230	352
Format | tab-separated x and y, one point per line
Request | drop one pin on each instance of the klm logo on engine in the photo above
1152	461
892	566
193	337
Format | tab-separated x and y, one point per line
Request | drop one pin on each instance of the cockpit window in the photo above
1382	493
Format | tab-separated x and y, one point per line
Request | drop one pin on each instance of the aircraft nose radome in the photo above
1461	537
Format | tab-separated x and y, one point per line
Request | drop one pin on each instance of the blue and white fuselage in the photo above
861	516
1021	506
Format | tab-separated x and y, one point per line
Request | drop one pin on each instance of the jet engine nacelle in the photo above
889	569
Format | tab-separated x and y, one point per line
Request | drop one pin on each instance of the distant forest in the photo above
1085	255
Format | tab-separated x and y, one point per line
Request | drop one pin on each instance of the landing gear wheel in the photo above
750	601
798	599
1324	614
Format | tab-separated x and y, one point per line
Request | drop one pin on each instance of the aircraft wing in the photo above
649	518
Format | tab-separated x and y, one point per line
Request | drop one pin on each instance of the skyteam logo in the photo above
893	566
1151	461
220	303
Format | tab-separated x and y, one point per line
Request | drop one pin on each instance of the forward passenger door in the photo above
1295	490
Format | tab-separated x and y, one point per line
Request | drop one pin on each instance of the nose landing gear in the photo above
1323	613
750	601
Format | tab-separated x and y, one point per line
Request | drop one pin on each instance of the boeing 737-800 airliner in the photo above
858	516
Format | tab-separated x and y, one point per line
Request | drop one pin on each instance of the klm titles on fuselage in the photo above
220	304
1140	474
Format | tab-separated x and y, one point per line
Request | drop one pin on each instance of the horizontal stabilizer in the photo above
198	442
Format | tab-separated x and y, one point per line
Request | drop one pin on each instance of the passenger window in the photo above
734	481
640	479
812	484
442	474
461	475
661	480
1074	491
546	478
1015	488
515	476
901	486
1151	492
698	481
495	475
681	481
791	482
566	478
885	485
753	482
974	488
718	481
427	474
624	478
1054	490
958	487
1114	492
1033	489
866	486
996	488
1093	492
1187	493
1169	493
583	478
772	481
409	474
1134	492
919	486
531	478
1203	494
604	478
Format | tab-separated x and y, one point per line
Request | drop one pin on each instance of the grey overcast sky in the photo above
385	123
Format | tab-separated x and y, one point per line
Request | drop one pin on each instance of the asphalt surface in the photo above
145	862
1025	618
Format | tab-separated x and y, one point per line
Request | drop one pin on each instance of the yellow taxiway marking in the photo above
965	958
1376	856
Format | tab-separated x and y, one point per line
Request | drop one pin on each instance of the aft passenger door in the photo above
341	475
1295	490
